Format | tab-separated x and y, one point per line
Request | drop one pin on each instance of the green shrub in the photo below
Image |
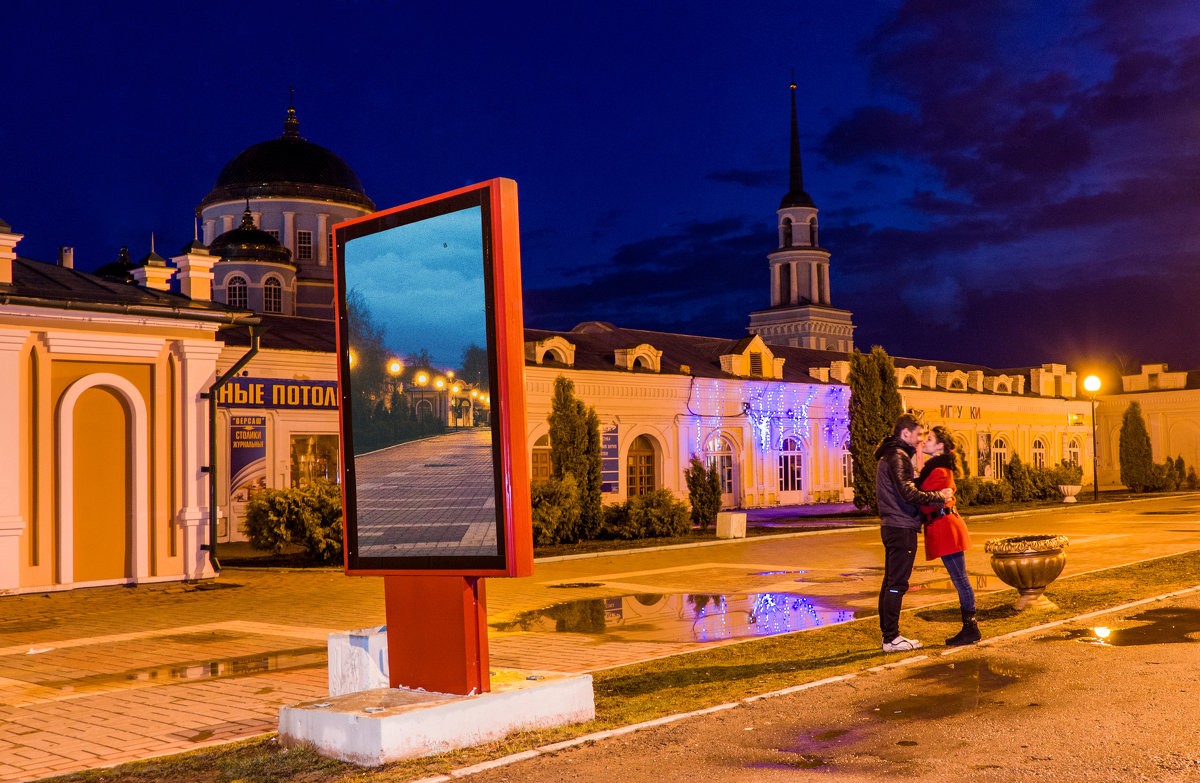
310	516
994	492
704	492
615	523
965	490
658	514
556	510
1019	478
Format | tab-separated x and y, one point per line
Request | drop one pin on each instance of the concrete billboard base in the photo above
374	727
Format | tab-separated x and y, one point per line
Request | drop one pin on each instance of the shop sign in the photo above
610	459
279	393
961	412
247	459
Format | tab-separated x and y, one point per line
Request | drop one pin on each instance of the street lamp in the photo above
1092	385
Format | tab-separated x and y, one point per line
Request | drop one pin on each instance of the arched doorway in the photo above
719	452
103	483
791	470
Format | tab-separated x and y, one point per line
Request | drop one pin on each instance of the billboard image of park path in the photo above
431	497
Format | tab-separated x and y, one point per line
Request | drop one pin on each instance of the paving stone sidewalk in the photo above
96	677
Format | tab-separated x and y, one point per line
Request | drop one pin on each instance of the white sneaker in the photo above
900	644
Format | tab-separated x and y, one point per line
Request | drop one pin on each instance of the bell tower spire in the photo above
800	313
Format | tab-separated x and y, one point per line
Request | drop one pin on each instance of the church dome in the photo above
289	167
248	243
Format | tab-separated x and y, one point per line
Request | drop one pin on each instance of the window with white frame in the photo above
1039	453
847	468
791	466
273	232
236	292
1074	452
639	473
304	249
272	295
999	458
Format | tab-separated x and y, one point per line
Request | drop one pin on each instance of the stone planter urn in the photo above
1030	564
1069	491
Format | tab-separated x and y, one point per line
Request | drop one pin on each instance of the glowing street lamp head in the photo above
450	373
456	388
394	367
422	378
1091	384
439	383
474	393
350	357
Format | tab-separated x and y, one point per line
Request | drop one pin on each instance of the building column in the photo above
13	475
197	370
288	235
321	240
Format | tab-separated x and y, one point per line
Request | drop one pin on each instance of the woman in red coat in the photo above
945	532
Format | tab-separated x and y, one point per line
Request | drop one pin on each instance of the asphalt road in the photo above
1063	704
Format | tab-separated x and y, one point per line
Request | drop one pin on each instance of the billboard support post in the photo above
437	633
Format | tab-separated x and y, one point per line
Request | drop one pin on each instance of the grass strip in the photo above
681	683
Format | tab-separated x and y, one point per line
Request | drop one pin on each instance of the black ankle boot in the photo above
969	633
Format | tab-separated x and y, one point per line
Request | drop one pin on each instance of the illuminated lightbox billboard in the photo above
432	402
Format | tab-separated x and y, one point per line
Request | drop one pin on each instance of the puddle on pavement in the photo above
802	761
1164	625
683	617
776	573
578	584
947	689
240	666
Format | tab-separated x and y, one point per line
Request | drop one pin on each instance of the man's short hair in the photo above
907	421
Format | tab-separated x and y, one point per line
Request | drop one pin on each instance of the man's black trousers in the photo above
900	550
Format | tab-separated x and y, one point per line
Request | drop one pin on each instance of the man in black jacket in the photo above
898	499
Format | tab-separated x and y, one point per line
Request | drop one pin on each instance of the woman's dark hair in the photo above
942	435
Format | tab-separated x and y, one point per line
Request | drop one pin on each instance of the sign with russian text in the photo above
247	452
610	459
242	392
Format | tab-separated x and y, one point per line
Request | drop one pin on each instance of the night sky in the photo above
1002	183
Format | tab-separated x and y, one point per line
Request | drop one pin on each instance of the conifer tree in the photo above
575	449
874	407
1137	460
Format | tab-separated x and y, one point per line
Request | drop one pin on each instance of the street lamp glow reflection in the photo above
1102	632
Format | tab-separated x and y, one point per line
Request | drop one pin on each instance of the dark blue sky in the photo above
999	182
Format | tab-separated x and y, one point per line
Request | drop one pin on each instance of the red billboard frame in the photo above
506	353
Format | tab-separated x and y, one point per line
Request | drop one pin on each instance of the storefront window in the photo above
313	457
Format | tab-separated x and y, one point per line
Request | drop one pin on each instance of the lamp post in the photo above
1092	385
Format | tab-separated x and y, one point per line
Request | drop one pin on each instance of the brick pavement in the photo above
94	677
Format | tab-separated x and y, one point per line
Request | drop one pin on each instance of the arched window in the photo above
639	473
785	283
847	468
957	384
812	232
719	452
424	409
910	382
1001	388
539	463
1074	452
272	295
235	292
999	458
791	466
787	232
1039	453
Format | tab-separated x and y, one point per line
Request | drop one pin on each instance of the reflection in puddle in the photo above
683	617
1165	625
299	658
949	688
